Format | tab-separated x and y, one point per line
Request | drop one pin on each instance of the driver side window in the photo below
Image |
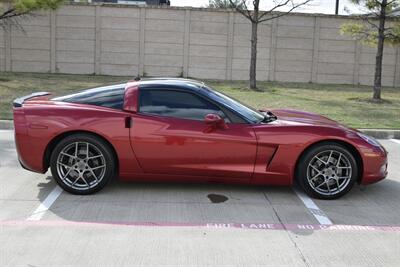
177	104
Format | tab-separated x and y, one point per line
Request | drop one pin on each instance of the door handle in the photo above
128	122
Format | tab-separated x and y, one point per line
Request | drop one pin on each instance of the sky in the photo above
315	6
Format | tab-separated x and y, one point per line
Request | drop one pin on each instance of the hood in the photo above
291	117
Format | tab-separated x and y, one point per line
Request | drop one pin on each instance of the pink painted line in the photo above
251	226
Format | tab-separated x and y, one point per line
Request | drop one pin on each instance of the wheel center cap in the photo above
329	172
81	166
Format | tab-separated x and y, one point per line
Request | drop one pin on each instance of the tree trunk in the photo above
253	58
379	53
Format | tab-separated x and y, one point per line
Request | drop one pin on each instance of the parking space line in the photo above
45	205
395	140
321	217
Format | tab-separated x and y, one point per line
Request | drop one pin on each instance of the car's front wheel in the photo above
82	164
327	171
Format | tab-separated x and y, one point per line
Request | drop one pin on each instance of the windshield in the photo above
248	112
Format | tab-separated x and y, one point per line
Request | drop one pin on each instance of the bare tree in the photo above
256	16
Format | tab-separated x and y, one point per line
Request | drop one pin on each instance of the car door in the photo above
169	136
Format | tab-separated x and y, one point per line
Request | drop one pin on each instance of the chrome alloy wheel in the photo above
81	165
329	172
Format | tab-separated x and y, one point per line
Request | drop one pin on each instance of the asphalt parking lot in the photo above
131	224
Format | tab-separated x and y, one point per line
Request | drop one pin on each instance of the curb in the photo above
382	133
6	125
376	133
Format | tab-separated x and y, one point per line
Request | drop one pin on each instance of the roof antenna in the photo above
137	78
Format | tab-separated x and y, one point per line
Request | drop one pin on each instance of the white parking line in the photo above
6	131
321	217
395	140
45	205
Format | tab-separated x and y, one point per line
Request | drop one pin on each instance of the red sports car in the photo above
182	130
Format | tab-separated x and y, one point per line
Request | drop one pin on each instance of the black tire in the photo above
97	171
319	181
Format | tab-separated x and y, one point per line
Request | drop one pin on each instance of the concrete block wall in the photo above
117	38
163	42
208	47
28	50
190	42
75	40
294	49
367	66
241	49
337	54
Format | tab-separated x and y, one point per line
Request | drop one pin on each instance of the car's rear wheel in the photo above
82	164
327	171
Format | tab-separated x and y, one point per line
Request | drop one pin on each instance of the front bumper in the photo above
375	165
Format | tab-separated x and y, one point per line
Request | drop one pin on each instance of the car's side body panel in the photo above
178	146
44	121
292	141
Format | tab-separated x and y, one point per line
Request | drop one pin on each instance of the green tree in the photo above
10	10
253	13
224	3
377	27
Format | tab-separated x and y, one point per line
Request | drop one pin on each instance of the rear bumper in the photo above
27	168
29	156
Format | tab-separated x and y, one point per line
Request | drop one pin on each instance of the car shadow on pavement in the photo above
45	188
169	203
375	204
201	204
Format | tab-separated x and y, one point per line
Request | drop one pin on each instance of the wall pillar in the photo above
142	24
229	45
272	52
97	42
315	55
7	46
357	57
396	81
53	25
186	44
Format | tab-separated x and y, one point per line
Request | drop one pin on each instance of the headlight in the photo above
369	139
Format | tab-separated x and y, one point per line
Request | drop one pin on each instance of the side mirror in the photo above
214	121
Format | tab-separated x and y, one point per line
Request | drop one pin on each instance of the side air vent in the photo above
272	157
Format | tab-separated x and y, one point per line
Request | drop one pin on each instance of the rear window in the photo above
108	96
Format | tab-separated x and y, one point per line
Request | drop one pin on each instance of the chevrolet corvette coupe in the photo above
181	130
